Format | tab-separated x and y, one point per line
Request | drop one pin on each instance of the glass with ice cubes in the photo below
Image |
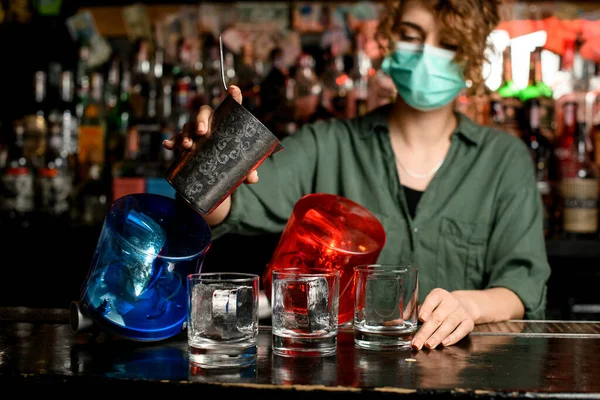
136	283
222	326
305	308
385	308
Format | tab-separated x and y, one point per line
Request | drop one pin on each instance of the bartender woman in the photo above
457	200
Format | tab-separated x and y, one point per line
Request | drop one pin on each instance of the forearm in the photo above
491	305
219	214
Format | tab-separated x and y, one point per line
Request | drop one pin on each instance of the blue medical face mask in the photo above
426	77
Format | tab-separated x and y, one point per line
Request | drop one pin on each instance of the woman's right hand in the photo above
185	139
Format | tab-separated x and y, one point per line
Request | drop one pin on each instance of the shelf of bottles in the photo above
97	129
561	129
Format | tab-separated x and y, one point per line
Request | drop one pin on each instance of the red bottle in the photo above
564	148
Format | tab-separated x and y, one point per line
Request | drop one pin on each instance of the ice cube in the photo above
245	309
224	309
144	239
317	293
201	309
139	277
290	307
278	306
232	311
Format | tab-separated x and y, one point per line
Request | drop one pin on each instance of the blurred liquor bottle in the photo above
184	82
284	121
92	188
36	122
128	173
565	142
248	79
540	149
119	112
82	79
141	78
361	71
155	181
148	123
92	196
17	190
505	104
55	177
580	191
168	125
92	128
572	84
197	83
69	123
53	99
111	100
537	90
595	114
579	184
54	181
338	95
308	89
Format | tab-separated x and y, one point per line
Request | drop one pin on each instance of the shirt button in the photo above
415	230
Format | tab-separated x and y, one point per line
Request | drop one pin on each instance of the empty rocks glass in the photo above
386	303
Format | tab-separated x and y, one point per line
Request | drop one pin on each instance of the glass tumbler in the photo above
222	319
305	312
385	312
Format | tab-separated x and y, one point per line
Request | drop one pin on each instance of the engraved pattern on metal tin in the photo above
238	142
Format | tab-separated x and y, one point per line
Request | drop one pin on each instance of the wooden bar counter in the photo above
514	359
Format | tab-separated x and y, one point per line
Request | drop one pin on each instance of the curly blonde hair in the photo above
466	22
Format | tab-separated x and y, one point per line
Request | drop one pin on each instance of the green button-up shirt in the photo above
478	225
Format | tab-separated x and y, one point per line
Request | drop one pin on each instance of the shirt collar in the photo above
375	122
468	129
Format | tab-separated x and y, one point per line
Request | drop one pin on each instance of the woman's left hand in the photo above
445	321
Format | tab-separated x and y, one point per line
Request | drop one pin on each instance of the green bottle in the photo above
538	90
508	89
536	87
506	104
